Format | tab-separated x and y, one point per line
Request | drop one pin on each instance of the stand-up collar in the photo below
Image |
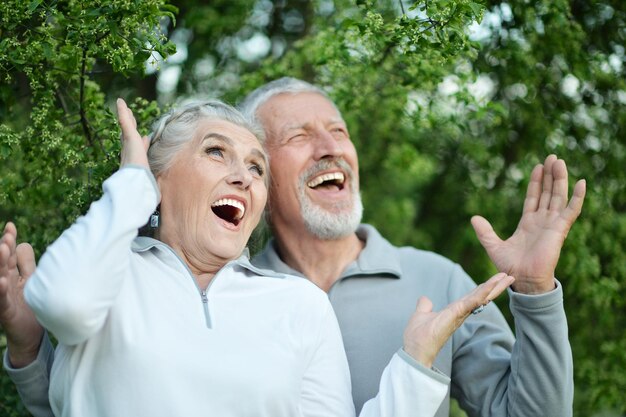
144	244
377	257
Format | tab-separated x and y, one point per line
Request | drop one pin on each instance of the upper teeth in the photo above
326	177
230	202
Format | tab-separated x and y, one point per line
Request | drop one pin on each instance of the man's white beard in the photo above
330	225
338	222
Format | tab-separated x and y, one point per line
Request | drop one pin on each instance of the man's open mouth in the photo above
332	180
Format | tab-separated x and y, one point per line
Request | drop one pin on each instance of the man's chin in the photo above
332	224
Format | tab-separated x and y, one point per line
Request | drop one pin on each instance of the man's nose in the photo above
326	145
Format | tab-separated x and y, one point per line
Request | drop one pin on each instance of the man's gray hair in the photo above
288	85
176	128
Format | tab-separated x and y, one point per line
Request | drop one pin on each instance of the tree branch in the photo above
83	117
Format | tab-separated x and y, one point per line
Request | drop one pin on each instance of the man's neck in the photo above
321	261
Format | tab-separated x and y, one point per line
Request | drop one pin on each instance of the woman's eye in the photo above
257	169
213	151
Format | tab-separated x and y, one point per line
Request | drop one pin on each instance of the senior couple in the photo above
184	324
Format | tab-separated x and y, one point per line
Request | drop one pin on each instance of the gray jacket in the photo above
492	373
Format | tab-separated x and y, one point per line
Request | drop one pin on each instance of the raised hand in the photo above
23	332
427	331
532	252
134	147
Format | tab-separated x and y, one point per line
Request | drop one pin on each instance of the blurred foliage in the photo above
449	117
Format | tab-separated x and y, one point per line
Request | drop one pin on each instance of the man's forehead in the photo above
290	100
290	124
293	110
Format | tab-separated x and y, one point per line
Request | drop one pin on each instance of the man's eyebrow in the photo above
292	126
337	119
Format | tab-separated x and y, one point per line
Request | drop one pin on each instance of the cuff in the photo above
37	369
148	173
155	186
432	372
538	302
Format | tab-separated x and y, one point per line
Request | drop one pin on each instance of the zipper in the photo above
205	303
203	293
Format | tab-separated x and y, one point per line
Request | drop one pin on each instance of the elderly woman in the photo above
183	324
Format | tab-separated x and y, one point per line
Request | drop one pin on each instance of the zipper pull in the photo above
205	302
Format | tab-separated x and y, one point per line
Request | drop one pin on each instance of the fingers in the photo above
424	305
10	228
573	209
533	192
7	260
485	233
134	147
546	194
25	260
146	143
549	184
127	122
501	284
7	248
484	293
560	186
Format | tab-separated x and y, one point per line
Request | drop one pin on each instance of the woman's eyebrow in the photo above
218	136
261	155
254	152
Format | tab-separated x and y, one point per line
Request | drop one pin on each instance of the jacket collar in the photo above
146	244
378	257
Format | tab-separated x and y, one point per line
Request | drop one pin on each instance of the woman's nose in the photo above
240	176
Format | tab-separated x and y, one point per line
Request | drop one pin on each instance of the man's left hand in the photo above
532	252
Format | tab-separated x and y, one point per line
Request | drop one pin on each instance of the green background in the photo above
450	105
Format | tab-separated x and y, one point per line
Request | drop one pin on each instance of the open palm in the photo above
23	332
532	252
428	330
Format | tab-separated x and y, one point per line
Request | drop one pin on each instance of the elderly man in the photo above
315	213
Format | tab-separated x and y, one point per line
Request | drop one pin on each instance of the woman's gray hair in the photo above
176	128
288	85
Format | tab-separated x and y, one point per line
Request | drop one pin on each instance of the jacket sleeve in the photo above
406	388
530	375
81	273
326	388
32	381
542	367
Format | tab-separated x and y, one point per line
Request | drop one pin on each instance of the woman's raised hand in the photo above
134	147
427	331
23	332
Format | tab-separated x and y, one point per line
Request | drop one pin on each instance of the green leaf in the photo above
477	9
33	5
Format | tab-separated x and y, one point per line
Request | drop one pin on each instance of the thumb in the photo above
25	260
133	145
484	232
146	142
424	305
